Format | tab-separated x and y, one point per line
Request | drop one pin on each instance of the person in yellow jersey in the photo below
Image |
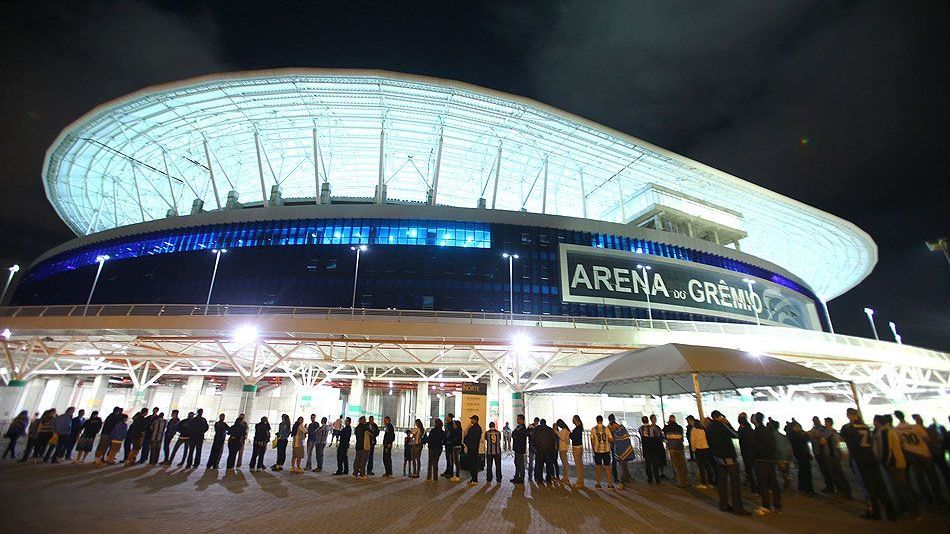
600	442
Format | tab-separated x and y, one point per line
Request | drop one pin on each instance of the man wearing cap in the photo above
472	441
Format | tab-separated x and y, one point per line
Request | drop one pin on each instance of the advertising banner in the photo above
475	402
619	278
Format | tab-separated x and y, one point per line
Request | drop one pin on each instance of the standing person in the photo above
62	428
44	434
407	454
312	427
436	443
472	441
857	437
887	448
519	444
622	451
493	448
283	434
577	450
456	449
156	435
389	437
600	441
134	437
705	463
16	429
259	447
449	435
337	427
506	434
75	428
418	432
117	438
819	448
105	437
361	432
217	442
198	428
87	436
765	460
834	459
720	435
747	448
237	435
651	440
147	442
563	446
171	427
532	449
800	439
545	447
321	438
184	435
299	446
937	445
31	436
343	445
673	433
915	442
373	429
783	454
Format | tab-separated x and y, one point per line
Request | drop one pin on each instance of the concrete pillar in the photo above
517	406
442	405
494	404
458	406
354	402
188	401
422	403
11	399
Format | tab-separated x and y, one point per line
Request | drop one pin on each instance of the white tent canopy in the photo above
675	369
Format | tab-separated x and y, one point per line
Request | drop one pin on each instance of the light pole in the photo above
870	313
940	245
13	269
217	258
101	260
749	282
897	337
511	284
356	273
646	284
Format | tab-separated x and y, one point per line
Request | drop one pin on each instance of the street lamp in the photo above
356	273
217	258
101	260
897	337
646	283
870	313
749	282
13	269
940	245
511	284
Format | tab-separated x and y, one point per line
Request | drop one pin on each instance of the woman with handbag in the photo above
418	431
300	446
563	445
237	433
283	433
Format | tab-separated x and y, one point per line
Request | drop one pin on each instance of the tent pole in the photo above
699	397
659	382
857	403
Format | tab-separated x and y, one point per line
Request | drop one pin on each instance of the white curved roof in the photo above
136	157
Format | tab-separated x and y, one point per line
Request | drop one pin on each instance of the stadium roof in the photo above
135	158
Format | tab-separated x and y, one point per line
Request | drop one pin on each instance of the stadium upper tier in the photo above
158	150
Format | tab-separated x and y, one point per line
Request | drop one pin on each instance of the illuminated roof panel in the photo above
135	158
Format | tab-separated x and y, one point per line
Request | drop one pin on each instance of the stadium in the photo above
367	242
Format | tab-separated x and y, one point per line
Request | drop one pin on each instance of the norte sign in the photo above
611	277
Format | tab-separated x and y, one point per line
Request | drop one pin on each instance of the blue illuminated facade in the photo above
408	264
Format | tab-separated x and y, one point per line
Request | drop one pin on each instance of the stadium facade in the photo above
312	240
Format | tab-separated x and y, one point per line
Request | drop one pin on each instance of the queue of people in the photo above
897	466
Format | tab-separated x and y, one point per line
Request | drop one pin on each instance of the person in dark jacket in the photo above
472	441
155	436
16	429
765	459
342	465
371	453
184	437
87	436
283	433
448	438
75	427
217	442
312	429
170	429
857	436
362	447
105	437
747	448
237	433
61	429
134	437
436	442
389	437
519	443
545	452
197	429
261	439
720	434
799	438
147	442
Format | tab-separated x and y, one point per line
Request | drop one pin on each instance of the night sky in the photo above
842	105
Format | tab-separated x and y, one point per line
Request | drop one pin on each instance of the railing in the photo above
474	318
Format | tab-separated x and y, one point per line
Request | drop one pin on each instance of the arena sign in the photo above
599	276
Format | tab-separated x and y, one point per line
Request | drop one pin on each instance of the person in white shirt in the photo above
915	442
600	441
563	445
704	458
337	427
